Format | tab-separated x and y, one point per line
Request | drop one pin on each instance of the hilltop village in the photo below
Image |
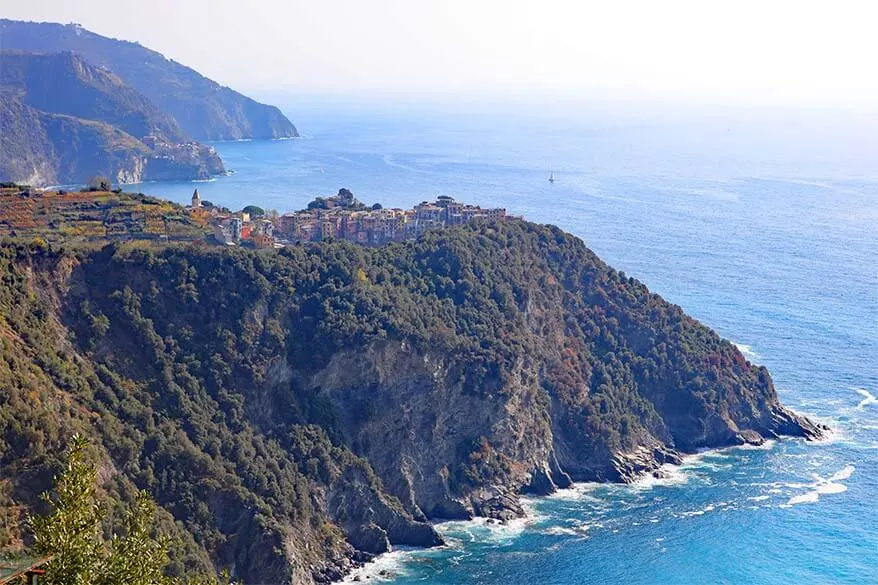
341	216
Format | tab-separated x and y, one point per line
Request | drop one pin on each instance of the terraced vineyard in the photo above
94	216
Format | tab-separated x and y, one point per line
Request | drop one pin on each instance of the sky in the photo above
767	52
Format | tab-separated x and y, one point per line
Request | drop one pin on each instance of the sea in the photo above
760	222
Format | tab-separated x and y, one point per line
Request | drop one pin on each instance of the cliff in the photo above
65	120
64	83
203	108
39	148
296	411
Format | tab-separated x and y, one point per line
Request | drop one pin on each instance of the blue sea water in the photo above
761	223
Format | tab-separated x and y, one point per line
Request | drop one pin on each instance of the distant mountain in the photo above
63	83
202	107
33	147
63	120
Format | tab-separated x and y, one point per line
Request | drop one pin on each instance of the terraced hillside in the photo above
77	216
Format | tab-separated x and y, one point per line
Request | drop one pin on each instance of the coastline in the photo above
387	566
228	140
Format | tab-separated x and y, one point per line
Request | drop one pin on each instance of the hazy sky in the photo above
739	51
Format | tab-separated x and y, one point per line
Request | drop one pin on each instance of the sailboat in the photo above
551	177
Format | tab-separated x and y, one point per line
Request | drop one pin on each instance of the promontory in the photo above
294	411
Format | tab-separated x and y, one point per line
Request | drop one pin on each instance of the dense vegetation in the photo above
69	535
30	143
344	199
286	409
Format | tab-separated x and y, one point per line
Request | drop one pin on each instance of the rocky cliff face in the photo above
203	108
26	153
39	148
447	452
66	120
64	83
302	410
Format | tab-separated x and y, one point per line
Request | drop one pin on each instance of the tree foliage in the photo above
254	211
70	534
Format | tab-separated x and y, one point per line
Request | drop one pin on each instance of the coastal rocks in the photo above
371	520
369	538
315	418
790	424
497	502
181	161
176	162
632	465
409	414
449	453
548	478
130	173
25	149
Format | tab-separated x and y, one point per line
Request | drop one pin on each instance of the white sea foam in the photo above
487	529
868	398
385	567
708	460
666	475
806	498
759	498
822	486
831	488
702	511
579	530
844	473
577	492
748	352
836	432
766	445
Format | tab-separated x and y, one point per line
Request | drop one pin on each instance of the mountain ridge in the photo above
42	81
203	108
65	120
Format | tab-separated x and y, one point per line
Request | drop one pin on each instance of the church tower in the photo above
196	200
